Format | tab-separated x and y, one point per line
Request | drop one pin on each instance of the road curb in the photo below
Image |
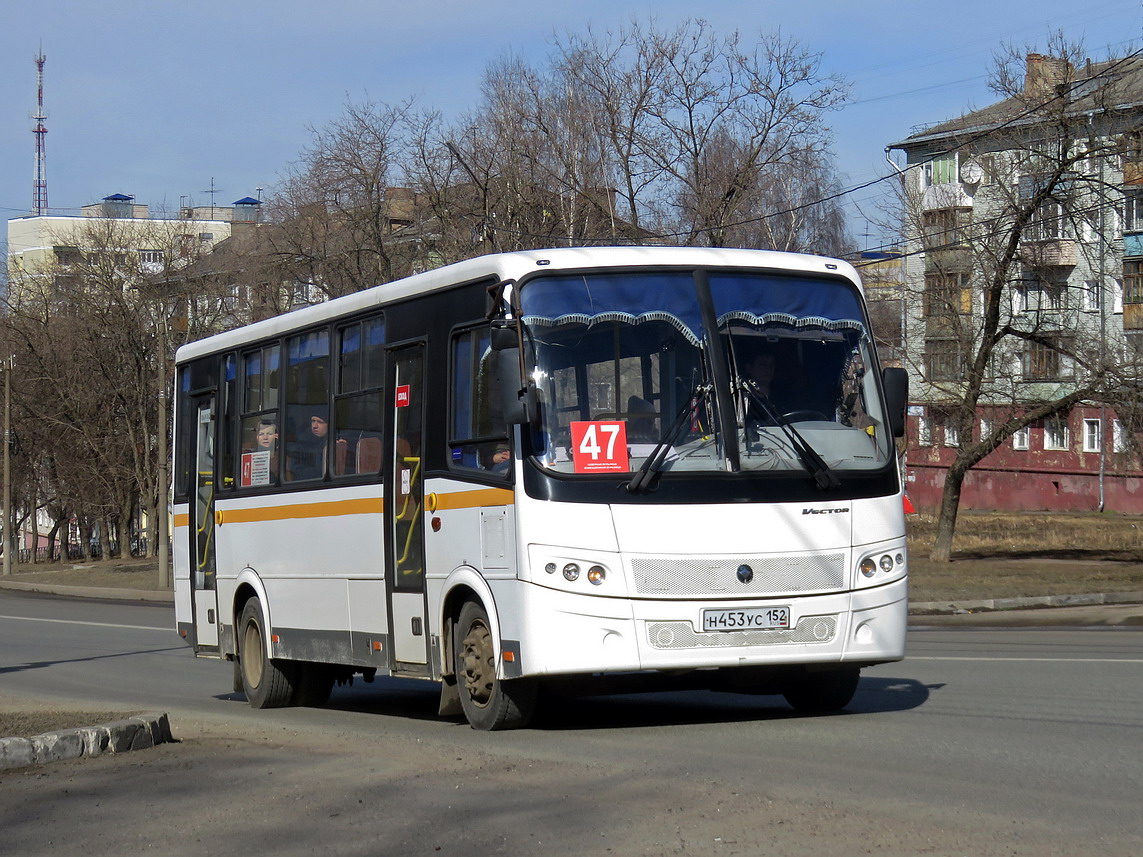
105	592
989	605
119	736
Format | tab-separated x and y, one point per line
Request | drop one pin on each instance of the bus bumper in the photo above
564	634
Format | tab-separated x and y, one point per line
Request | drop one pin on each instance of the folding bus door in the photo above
204	596
404	512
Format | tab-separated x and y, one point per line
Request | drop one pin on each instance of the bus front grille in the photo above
719	576
682	634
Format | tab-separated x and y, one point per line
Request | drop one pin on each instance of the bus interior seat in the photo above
369	455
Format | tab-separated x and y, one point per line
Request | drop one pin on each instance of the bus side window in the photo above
358	412
474	441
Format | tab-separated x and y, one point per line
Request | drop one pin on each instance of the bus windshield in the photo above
625	364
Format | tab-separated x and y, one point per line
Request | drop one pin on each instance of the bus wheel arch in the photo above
489	702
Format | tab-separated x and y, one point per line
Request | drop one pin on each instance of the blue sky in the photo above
157	98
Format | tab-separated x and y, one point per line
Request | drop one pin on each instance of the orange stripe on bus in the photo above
475	499
369	506
330	509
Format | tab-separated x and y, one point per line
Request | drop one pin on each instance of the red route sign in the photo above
600	446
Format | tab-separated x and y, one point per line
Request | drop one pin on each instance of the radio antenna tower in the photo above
40	184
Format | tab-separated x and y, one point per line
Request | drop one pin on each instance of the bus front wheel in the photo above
823	692
489	703
267	683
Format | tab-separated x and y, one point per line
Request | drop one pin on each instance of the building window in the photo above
946	227
1043	361
1118	436
1056	433
924	431
1047	222
151	257
1092	435
946	293
943	360
1021	438
941	169
986	428
1034	294
1092	296
1132	211
1133	281
952	434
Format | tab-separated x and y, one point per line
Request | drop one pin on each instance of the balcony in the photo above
1050	253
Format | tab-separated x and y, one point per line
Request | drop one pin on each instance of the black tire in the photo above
313	685
489	704
267	683
823	692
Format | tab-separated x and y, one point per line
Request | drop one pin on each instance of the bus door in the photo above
404	513
204	596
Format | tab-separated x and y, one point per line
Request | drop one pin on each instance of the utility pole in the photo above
8	541
161	508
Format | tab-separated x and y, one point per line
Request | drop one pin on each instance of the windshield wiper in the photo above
641	481
813	463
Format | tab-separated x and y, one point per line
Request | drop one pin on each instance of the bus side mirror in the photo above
506	382
507	405
896	384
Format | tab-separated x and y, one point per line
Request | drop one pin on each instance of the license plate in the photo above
746	619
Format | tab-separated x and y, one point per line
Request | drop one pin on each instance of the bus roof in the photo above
514	266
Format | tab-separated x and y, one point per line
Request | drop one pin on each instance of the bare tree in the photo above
336	222
677	136
87	334
1012	208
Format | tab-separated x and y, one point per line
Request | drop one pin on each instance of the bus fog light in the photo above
571	571
550	568
596	574
900	559
868	567
886	563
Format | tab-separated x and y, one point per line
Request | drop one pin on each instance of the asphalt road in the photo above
983	741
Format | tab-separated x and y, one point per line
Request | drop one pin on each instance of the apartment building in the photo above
49	244
1024	238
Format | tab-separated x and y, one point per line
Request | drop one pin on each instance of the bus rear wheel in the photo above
823	692
267	683
489	703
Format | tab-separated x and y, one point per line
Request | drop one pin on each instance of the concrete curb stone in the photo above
120	736
987	605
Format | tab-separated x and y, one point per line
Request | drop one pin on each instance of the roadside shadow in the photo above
568	711
560	712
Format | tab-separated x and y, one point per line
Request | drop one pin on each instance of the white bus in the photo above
588	464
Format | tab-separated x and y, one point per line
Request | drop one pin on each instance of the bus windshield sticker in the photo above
600	446
403	396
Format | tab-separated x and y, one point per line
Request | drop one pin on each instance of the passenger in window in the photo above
265	442
307	454
500	459
641	417
266	437
759	374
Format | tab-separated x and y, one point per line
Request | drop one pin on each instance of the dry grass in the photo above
996	556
